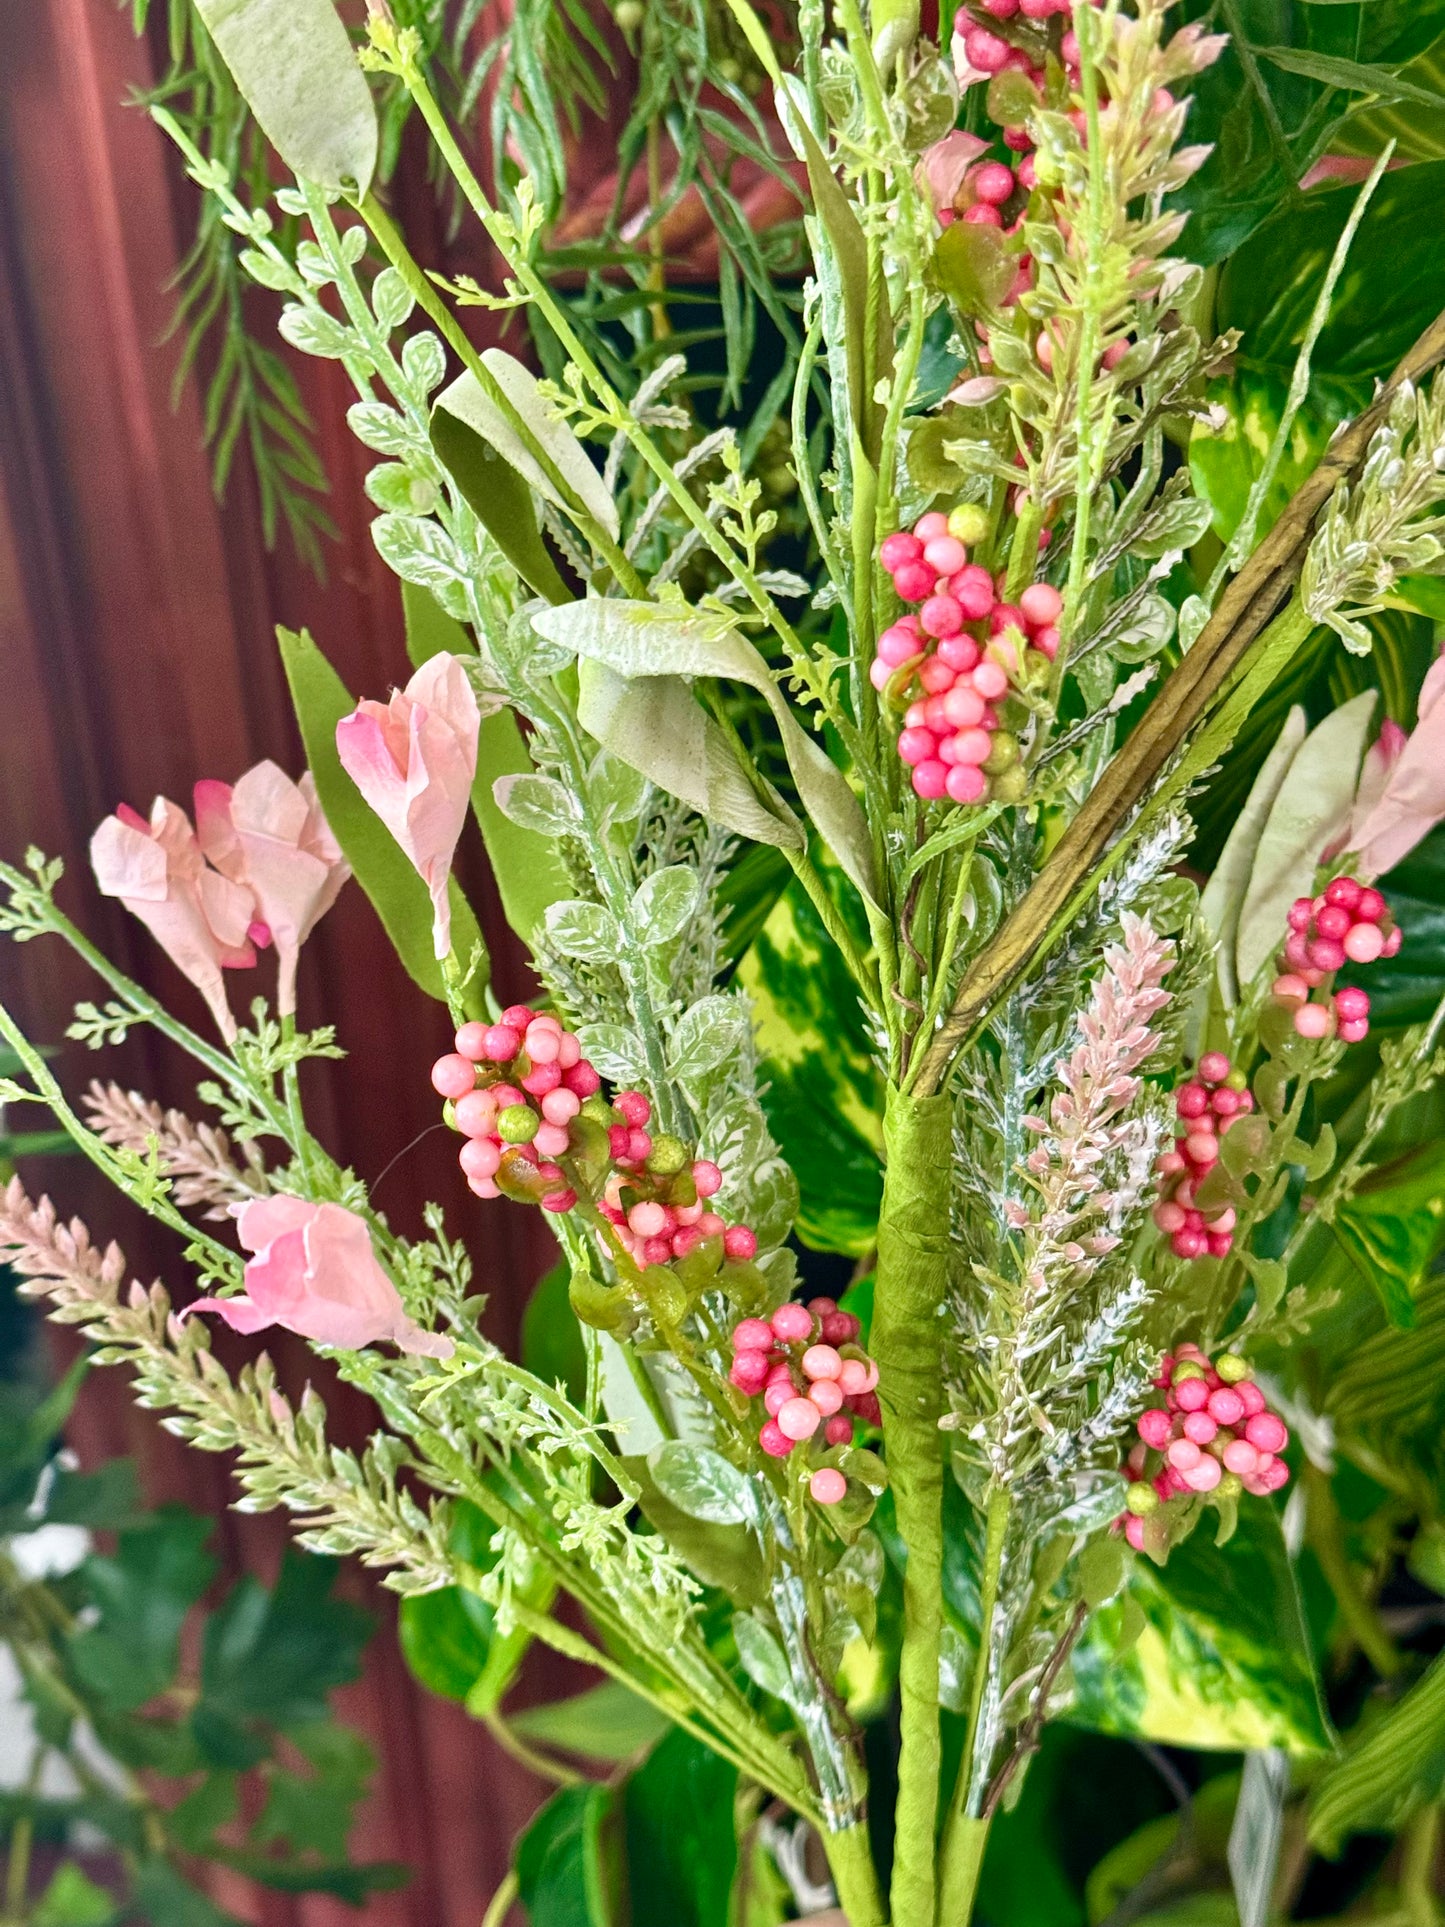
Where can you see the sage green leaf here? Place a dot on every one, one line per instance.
(975, 267)
(397, 893)
(637, 639)
(655, 725)
(495, 491)
(1223, 895)
(568, 1863)
(664, 904)
(1224, 1659)
(700, 1482)
(468, 401)
(1396, 1769)
(727, 1557)
(297, 71)
(762, 1658)
(606, 1723)
(1312, 801)
(584, 931)
(822, 1090)
(530, 874)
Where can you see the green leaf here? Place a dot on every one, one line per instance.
(723, 1556)
(1355, 76)
(655, 724)
(295, 68)
(552, 1344)
(481, 410)
(72, 1900)
(397, 893)
(1311, 801)
(975, 267)
(312, 1813)
(446, 1637)
(567, 1861)
(205, 1809)
(700, 1482)
(530, 875)
(1224, 1659)
(105, 1498)
(822, 1090)
(1223, 895)
(1226, 461)
(1418, 132)
(1397, 1767)
(1393, 1226)
(606, 1723)
(682, 1849)
(275, 1655)
(161, 1898)
(141, 1597)
(496, 493)
(762, 1658)
(642, 639)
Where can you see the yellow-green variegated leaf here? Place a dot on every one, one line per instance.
(822, 1092)
(1224, 1660)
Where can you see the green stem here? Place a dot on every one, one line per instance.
(1089, 319)
(1327, 1540)
(966, 1832)
(850, 1861)
(1417, 1867)
(500, 1904)
(291, 1088)
(912, 1283)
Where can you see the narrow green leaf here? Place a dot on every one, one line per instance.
(1223, 895)
(606, 1723)
(497, 495)
(1397, 1768)
(1355, 76)
(296, 69)
(397, 893)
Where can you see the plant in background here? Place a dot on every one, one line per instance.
(970, 742)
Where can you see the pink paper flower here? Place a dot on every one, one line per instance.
(269, 834)
(413, 759)
(316, 1274)
(198, 917)
(1401, 793)
(942, 167)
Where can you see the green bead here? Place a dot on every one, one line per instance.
(1229, 1487)
(1141, 1500)
(668, 1156)
(1231, 1367)
(1237, 1080)
(517, 1124)
(1187, 1370)
(1003, 754)
(969, 523)
(598, 1109)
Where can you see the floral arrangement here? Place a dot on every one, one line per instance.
(971, 710)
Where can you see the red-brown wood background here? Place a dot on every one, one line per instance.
(136, 624)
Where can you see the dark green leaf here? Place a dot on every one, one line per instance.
(311, 1813)
(274, 1656)
(567, 1861)
(397, 893)
(446, 1636)
(162, 1898)
(141, 1596)
(204, 1811)
(105, 1498)
(551, 1337)
(295, 68)
(497, 495)
(681, 1842)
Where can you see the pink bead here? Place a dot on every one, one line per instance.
(1393, 940)
(1214, 1067)
(471, 1041)
(1351, 1003)
(569, 1051)
(634, 1108)
(917, 746)
(480, 1157)
(963, 707)
(1370, 907)
(560, 1107)
(774, 1441)
(542, 1043)
(1241, 1457)
(821, 1361)
(986, 51)
(707, 1177)
(1267, 1431)
(1000, 9)
(839, 1431)
(740, 1243)
(1169, 1217)
(483, 1188)
(974, 590)
(913, 581)
(936, 676)
(1355, 1030)
(752, 1335)
(1204, 1476)
(959, 652)
(879, 674)
(1191, 1100)
(1326, 954)
(1290, 989)
(776, 1396)
(992, 182)
(501, 1043)
(1364, 942)
(1155, 1428)
(1276, 1476)
(1041, 604)
(658, 1250)
(781, 1374)
(1192, 1394)
(453, 1075)
(928, 526)
(1200, 1427)
(897, 549)
(827, 1395)
(639, 1146)
(799, 1419)
(551, 1140)
(541, 1079)
(1225, 1406)
(896, 646)
(1312, 1020)
(972, 746)
(966, 783)
(1251, 1394)
(646, 1219)
(930, 780)
(1344, 891)
(990, 681)
(1028, 179)
(1047, 641)
(853, 1377)
(1134, 1531)
(1201, 1147)
(946, 554)
(475, 1113)
(749, 1371)
(1183, 1454)
(827, 1485)
(982, 214)
(710, 1225)
(1189, 1244)
(1333, 921)
(792, 1322)
(582, 1080)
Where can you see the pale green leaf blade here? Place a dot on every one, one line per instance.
(1223, 896)
(469, 401)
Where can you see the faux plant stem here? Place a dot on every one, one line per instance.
(967, 1833)
(906, 1340)
(850, 1861)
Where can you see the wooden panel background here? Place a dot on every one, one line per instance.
(136, 636)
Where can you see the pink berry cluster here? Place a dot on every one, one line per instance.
(956, 659)
(989, 187)
(1213, 1434)
(523, 1095)
(1207, 1105)
(523, 1113)
(1346, 922)
(806, 1363)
